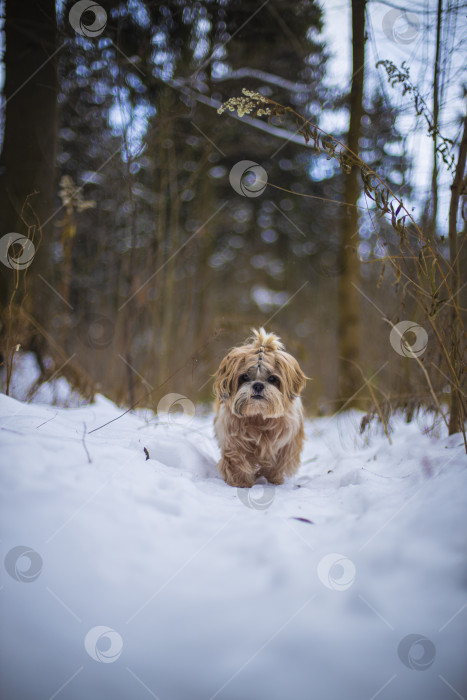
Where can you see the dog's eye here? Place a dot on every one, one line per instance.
(272, 379)
(244, 378)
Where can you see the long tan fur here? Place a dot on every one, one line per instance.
(260, 432)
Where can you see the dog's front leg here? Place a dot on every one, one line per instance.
(236, 471)
(286, 461)
(273, 473)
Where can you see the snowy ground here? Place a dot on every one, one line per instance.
(152, 578)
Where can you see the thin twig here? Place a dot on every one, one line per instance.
(84, 443)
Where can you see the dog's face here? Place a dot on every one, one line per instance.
(259, 378)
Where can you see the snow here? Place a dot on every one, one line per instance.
(24, 384)
(156, 579)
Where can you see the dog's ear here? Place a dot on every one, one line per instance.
(292, 376)
(221, 381)
(225, 376)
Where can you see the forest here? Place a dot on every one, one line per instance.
(131, 262)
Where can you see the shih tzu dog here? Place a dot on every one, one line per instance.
(259, 413)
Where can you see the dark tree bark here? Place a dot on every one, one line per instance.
(349, 377)
(456, 416)
(434, 173)
(27, 161)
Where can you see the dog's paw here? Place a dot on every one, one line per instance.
(239, 481)
(234, 476)
(277, 480)
(274, 477)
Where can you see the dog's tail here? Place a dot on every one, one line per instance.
(268, 341)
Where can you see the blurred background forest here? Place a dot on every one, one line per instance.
(149, 265)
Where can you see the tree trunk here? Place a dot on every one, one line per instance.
(349, 377)
(170, 239)
(455, 414)
(434, 173)
(27, 161)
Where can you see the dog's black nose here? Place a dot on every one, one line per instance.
(258, 387)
